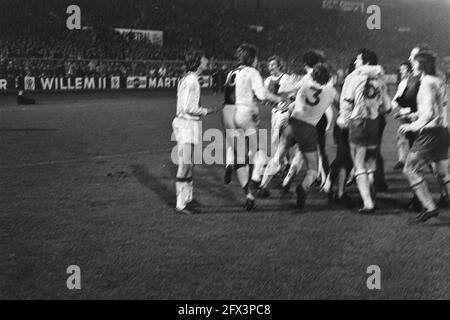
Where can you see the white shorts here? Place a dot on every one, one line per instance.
(228, 115)
(246, 118)
(279, 119)
(187, 131)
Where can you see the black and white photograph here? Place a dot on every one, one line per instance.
(224, 155)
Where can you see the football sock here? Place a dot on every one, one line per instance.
(190, 189)
(258, 170)
(424, 195)
(294, 169)
(242, 174)
(272, 168)
(327, 185)
(311, 176)
(229, 156)
(181, 188)
(362, 180)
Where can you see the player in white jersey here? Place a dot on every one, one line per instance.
(311, 58)
(273, 83)
(314, 97)
(433, 140)
(277, 83)
(187, 128)
(364, 98)
(241, 117)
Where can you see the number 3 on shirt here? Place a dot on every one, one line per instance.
(316, 95)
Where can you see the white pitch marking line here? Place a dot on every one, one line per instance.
(96, 158)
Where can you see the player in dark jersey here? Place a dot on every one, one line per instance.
(228, 113)
(241, 119)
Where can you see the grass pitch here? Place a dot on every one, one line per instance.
(86, 179)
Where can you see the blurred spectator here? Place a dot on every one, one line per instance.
(35, 30)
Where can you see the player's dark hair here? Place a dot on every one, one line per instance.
(423, 47)
(427, 62)
(277, 59)
(246, 54)
(321, 74)
(351, 66)
(193, 59)
(313, 57)
(407, 64)
(368, 57)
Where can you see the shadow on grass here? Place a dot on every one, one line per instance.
(440, 222)
(154, 184)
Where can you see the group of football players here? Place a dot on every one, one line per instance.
(303, 110)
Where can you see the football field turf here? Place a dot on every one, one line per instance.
(87, 180)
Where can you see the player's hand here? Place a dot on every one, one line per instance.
(402, 117)
(394, 105)
(340, 122)
(398, 116)
(404, 128)
(211, 110)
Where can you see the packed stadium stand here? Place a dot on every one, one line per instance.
(47, 48)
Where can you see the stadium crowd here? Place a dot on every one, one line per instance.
(47, 48)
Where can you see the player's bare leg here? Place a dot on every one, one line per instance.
(185, 182)
(362, 178)
(443, 176)
(351, 177)
(321, 175)
(413, 172)
(371, 165)
(228, 114)
(403, 149)
(245, 153)
(294, 169)
(311, 161)
(258, 168)
(327, 186)
(274, 165)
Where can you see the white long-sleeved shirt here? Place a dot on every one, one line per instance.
(249, 83)
(363, 95)
(431, 104)
(188, 98)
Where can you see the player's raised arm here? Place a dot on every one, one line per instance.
(260, 91)
(291, 88)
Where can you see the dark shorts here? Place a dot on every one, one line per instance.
(364, 132)
(432, 144)
(305, 135)
(411, 136)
